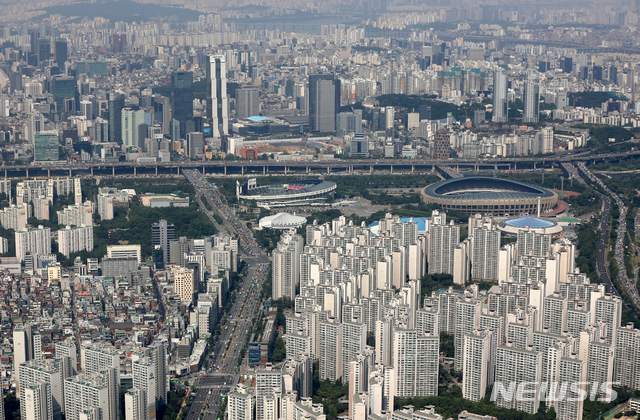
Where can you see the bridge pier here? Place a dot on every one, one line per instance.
(70, 175)
(458, 168)
(495, 167)
(135, 171)
(156, 170)
(534, 166)
(328, 170)
(204, 170)
(27, 172)
(242, 170)
(515, 166)
(264, 170)
(370, 169)
(225, 169)
(5, 174)
(413, 168)
(285, 169)
(113, 171)
(308, 170)
(48, 173)
(178, 171)
(391, 170)
(92, 170)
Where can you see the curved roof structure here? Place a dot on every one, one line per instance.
(513, 226)
(529, 221)
(282, 221)
(495, 196)
(289, 193)
(485, 188)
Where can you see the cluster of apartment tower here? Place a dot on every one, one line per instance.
(52, 388)
(543, 323)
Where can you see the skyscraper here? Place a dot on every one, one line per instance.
(96, 359)
(442, 145)
(217, 99)
(134, 402)
(500, 105)
(195, 144)
(531, 99)
(468, 312)
(61, 52)
(161, 234)
(63, 87)
(247, 102)
(516, 366)
(324, 102)
(46, 146)
(240, 404)
(182, 96)
(330, 348)
(130, 121)
(116, 104)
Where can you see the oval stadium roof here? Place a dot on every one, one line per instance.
(484, 188)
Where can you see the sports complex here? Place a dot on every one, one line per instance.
(291, 193)
(490, 195)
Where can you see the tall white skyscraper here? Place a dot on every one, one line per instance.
(609, 310)
(416, 362)
(98, 358)
(572, 371)
(130, 121)
(286, 266)
(516, 366)
(476, 365)
(330, 348)
(144, 371)
(266, 380)
(35, 241)
(217, 99)
(22, 346)
(531, 98)
(240, 404)
(443, 240)
(135, 404)
(485, 250)
(354, 339)
(84, 391)
(49, 371)
(37, 402)
(500, 104)
(468, 312)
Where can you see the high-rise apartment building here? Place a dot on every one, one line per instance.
(517, 366)
(130, 120)
(477, 364)
(416, 362)
(468, 310)
(98, 358)
(161, 234)
(286, 266)
(266, 380)
(626, 369)
(354, 339)
(609, 310)
(135, 404)
(35, 241)
(240, 404)
(485, 249)
(91, 391)
(443, 240)
(217, 99)
(75, 239)
(37, 402)
(330, 336)
(49, 371)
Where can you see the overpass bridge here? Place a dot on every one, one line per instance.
(329, 166)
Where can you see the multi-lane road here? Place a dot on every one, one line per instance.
(223, 370)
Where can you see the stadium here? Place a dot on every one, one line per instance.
(292, 193)
(490, 195)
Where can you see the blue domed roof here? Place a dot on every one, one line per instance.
(532, 222)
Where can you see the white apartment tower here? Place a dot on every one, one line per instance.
(416, 363)
(443, 240)
(49, 371)
(477, 364)
(485, 251)
(286, 266)
(135, 404)
(240, 404)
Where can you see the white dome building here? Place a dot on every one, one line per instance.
(282, 221)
